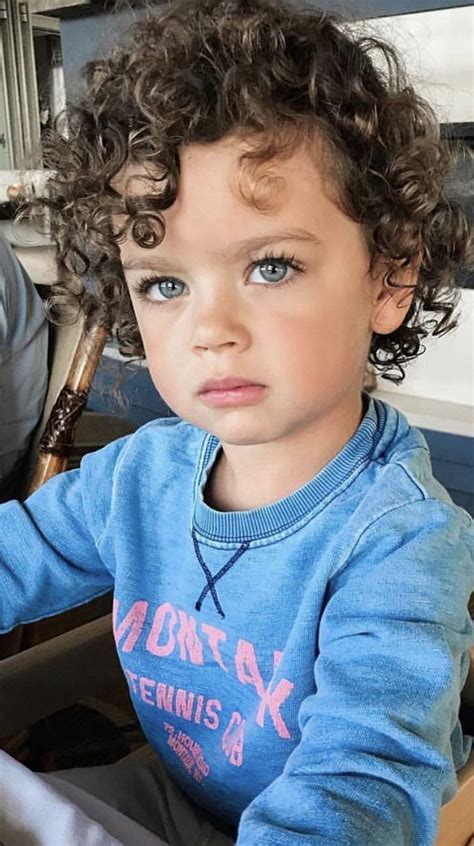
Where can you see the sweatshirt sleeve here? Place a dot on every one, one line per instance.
(50, 545)
(375, 758)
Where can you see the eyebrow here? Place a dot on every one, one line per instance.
(236, 251)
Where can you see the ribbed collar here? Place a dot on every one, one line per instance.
(271, 522)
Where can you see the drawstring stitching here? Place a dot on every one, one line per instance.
(211, 580)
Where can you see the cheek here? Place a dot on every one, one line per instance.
(158, 355)
(304, 332)
(325, 339)
(166, 382)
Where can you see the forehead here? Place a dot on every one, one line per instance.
(221, 192)
(230, 168)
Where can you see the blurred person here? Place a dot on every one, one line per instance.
(23, 367)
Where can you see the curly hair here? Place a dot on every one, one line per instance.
(195, 72)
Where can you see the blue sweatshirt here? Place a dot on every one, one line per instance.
(297, 666)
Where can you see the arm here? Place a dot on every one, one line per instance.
(375, 760)
(49, 545)
(23, 365)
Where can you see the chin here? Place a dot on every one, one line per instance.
(243, 434)
(237, 426)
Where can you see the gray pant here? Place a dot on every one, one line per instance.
(139, 788)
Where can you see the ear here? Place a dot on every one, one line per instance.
(391, 302)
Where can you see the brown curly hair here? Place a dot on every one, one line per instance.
(195, 72)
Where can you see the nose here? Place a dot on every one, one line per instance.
(219, 324)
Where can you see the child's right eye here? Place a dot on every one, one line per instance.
(158, 289)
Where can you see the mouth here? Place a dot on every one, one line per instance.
(229, 383)
(230, 392)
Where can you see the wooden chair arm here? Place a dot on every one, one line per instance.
(57, 673)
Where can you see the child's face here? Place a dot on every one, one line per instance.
(219, 313)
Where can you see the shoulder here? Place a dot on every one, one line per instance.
(11, 271)
(138, 467)
(8, 283)
(399, 473)
(168, 437)
(21, 309)
(409, 550)
(399, 510)
(158, 446)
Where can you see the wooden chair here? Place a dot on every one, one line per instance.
(75, 352)
(84, 663)
(76, 355)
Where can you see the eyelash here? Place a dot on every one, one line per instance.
(147, 282)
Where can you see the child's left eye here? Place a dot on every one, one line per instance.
(278, 270)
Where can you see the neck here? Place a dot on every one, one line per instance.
(255, 475)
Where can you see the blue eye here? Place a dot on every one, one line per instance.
(160, 288)
(273, 271)
(277, 270)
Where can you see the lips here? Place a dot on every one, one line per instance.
(227, 384)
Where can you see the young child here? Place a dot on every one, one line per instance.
(261, 198)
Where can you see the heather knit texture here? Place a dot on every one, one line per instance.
(298, 666)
